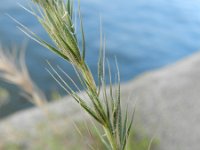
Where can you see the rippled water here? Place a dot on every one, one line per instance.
(143, 34)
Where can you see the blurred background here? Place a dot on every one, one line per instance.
(142, 34)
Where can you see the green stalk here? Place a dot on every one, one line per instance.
(110, 138)
(87, 75)
(108, 132)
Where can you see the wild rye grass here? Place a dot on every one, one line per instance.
(58, 19)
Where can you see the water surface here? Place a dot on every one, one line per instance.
(143, 34)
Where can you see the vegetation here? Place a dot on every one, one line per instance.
(114, 124)
(70, 138)
(56, 17)
(14, 71)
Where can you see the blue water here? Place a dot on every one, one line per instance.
(143, 34)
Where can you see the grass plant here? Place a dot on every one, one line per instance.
(14, 71)
(58, 19)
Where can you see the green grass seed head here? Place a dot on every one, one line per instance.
(56, 17)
